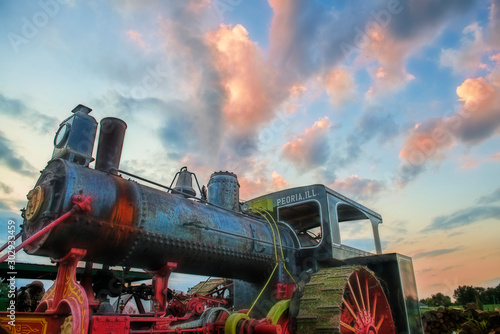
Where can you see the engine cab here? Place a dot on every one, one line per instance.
(321, 219)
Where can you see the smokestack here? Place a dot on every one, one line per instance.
(224, 190)
(109, 149)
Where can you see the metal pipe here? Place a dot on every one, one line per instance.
(41, 232)
(11, 241)
(109, 149)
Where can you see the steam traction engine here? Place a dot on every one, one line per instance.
(290, 271)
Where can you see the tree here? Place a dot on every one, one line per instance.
(465, 294)
(437, 300)
(490, 295)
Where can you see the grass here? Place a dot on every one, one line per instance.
(490, 307)
(486, 307)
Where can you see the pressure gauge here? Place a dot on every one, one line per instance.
(62, 135)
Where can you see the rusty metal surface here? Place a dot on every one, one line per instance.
(110, 146)
(223, 190)
(134, 225)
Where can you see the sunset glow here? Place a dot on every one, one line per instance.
(395, 104)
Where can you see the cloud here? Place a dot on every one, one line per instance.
(227, 91)
(12, 160)
(475, 43)
(250, 188)
(390, 39)
(494, 25)
(5, 188)
(4, 206)
(259, 184)
(427, 139)
(481, 110)
(253, 90)
(495, 157)
(493, 38)
(339, 86)
(311, 148)
(189, 99)
(477, 120)
(463, 218)
(358, 188)
(493, 282)
(372, 124)
(12, 205)
(469, 164)
(389, 55)
(418, 17)
(496, 58)
(436, 252)
(490, 198)
(15, 108)
(399, 227)
(278, 182)
(408, 172)
(306, 38)
(468, 56)
(137, 38)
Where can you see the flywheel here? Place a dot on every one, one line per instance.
(344, 300)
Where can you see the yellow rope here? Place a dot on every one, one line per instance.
(262, 212)
(264, 288)
(274, 241)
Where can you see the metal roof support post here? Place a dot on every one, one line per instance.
(376, 236)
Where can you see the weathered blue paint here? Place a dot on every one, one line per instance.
(134, 225)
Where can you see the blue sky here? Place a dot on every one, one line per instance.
(392, 103)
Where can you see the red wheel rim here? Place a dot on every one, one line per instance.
(365, 309)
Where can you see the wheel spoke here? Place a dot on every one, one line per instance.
(360, 292)
(362, 305)
(349, 308)
(353, 294)
(347, 326)
(367, 289)
(374, 306)
(380, 322)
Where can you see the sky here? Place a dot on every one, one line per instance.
(394, 104)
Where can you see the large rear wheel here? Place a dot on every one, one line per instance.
(344, 300)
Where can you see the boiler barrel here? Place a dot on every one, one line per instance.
(138, 226)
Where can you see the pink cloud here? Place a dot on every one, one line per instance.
(426, 141)
(476, 93)
(468, 56)
(136, 37)
(389, 55)
(256, 185)
(495, 157)
(493, 37)
(469, 165)
(476, 43)
(251, 188)
(198, 5)
(281, 33)
(496, 58)
(251, 83)
(356, 187)
(477, 121)
(479, 117)
(339, 85)
(278, 181)
(309, 149)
